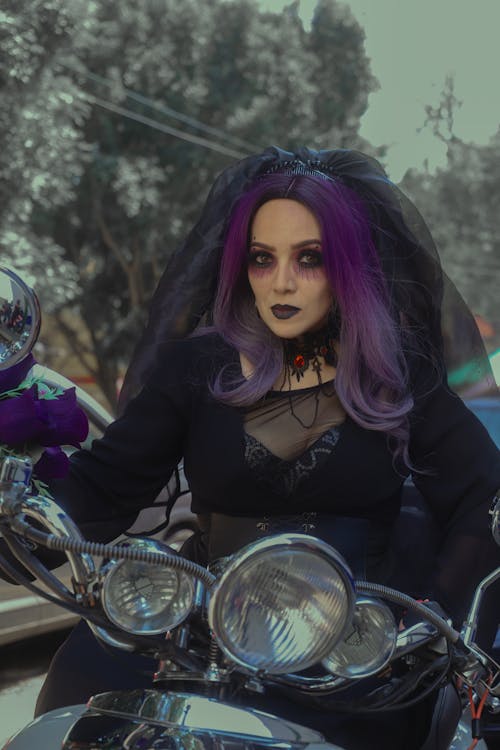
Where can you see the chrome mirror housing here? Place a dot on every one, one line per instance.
(20, 319)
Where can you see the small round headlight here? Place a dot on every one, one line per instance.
(146, 599)
(282, 604)
(368, 644)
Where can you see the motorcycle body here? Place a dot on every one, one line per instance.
(283, 614)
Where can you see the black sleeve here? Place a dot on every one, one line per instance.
(108, 485)
(124, 471)
(457, 470)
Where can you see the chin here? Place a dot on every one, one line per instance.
(285, 329)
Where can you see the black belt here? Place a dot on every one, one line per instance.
(363, 543)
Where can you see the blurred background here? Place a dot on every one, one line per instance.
(116, 117)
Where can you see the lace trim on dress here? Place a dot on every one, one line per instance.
(285, 476)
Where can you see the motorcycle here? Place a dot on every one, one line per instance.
(281, 614)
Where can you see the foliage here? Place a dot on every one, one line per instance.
(460, 204)
(99, 185)
(42, 154)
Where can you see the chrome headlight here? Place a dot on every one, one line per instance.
(368, 644)
(282, 604)
(146, 599)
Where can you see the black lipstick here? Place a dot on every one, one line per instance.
(282, 312)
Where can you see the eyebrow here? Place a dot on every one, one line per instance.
(297, 246)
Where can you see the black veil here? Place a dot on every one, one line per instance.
(441, 323)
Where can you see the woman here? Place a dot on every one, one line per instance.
(318, 386)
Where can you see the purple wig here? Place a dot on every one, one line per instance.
(372, 376)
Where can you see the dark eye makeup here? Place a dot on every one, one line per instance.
(259, 258)
(310, 258)
(306, 258)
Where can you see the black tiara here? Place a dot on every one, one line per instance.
(296, 167)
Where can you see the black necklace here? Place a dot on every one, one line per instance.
(300, 355)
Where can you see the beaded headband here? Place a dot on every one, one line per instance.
(295, 167)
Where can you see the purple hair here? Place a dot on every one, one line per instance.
(372, 375)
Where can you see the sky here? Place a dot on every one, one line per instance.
(413, 45)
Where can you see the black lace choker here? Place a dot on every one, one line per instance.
(300, 355)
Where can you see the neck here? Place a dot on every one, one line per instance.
(312, 353)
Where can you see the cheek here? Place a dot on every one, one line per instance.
(259, 282)
(258, 272)
(310, 274)
(324, 294)
(255, 288)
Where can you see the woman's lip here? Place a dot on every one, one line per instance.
(282, 312)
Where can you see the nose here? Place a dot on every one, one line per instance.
(284, 278)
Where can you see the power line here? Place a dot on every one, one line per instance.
(169, 111)
(175, 114)
(131, 115)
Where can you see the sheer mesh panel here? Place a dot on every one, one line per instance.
(288, 423)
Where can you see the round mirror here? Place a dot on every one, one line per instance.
(19, 319)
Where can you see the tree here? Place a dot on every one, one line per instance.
(42, 154)
(126, 87)
(460, 204)
(341, 72)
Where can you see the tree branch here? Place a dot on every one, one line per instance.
(74, 344)
(111, 244)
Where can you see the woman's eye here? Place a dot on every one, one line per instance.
(310, 258)
(260, 259)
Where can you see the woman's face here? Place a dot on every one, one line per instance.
(285, 269)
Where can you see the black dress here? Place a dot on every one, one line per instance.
(238, 464)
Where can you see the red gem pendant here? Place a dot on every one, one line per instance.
(299, 362)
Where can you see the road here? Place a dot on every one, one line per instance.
(23, 668)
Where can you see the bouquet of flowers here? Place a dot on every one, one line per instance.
(36, 419)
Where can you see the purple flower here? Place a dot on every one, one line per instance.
(18, 419)
(52, 464)
(12, 376)
(64, 423)
(49, 422)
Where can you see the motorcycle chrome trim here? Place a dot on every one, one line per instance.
(320, 685)
(407, 640)
(426, 613)
(68, 544)
(413, 637)
(190, 711)
(117, 733)
(181, 636)
(376, 641)
(47, 731)
(261, 551)
(141, 621)
(223, 677)
(110, 640)
(469, 629)
(15, 478)
(51, 516)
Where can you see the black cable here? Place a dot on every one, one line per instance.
(421, 696)
(131, 115)
(35, 567)
(164, 109)
(145, 644)
(384, 707)
(169, 111)
(77, 609)
(120, 552)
